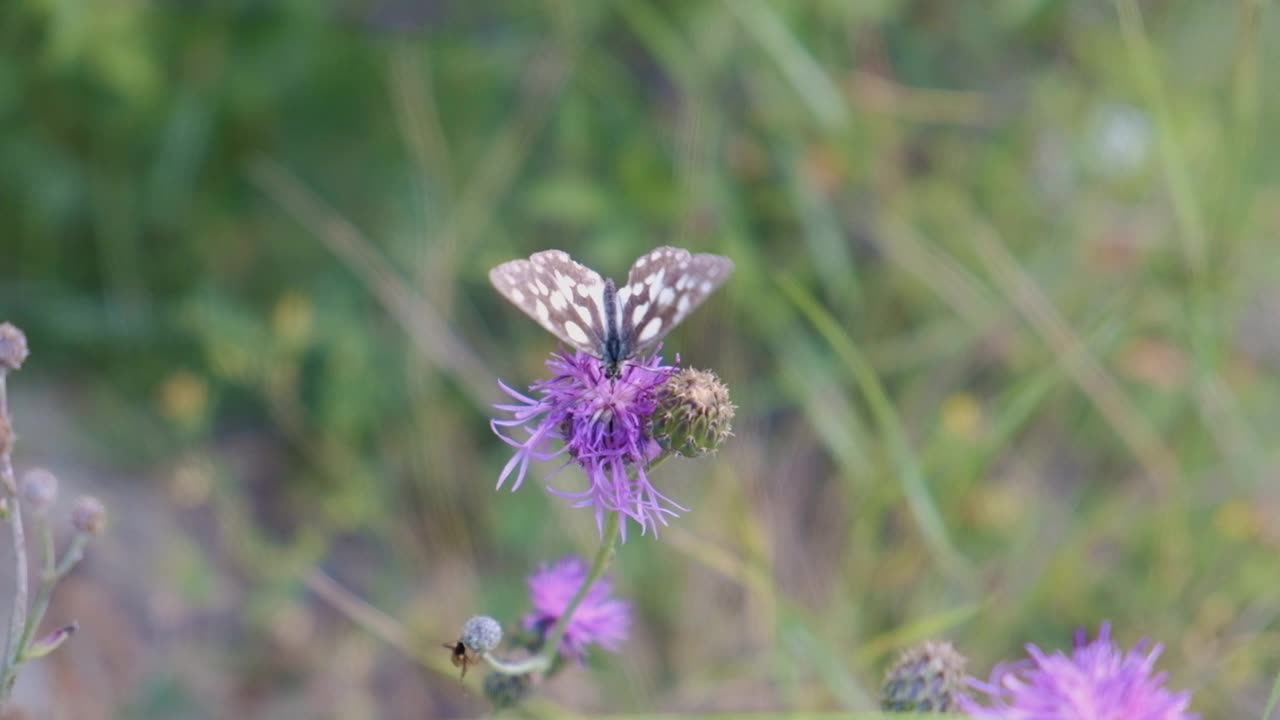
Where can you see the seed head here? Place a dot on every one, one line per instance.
(926, 678)
(88, 515)
(39, 489)
(13, 347)
(694, 415)
(481, 634)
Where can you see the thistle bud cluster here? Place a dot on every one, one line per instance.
(926, 678)
(694, 415)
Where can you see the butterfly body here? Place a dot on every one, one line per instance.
(599, 317)
(615, 344)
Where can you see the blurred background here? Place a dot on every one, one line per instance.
(1003, 337)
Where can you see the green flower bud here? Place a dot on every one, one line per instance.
(47, 644)
(694, 415)
(506, 691)
(926, 678)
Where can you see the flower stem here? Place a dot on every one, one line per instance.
(543, 660)
(54, 571)
(18, 621)
(551, 647)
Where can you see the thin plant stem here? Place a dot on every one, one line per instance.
(48, 578)
(18, 620)
(54, 571)
(366, 616)
(608, 548)
(542, 661)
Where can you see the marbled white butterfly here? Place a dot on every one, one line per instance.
(594, 315)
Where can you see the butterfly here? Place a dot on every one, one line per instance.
(592, 314)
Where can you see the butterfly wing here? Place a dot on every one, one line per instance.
(564, 296)
(662, 288)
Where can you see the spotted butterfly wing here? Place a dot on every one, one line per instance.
(663, 287)
(593, 315)
(564, 296)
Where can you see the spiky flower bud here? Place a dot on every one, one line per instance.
(506, 691)
(13, 347)
(694, 415)
(39, 489)
(481, 634)
(88, 516)
(926, 678)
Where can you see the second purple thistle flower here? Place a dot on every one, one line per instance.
(604, 425)
(601, 619)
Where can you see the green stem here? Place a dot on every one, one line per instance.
(18, 620)
(542, 661)
(48, 576)
(551, 647)
(53, 572)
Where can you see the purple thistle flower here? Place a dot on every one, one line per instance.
(600, 619)
(604, 424)
(1097, 682)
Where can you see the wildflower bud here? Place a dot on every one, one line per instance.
(13, 347)
(39, 489)
(926, 678)
(694, 415)
(88, 516)
(481, 634)
(47, 644)
(506, 691)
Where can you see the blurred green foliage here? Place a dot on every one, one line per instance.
(1004, 332)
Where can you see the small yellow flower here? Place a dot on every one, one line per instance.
(291, 318)
(184, 396)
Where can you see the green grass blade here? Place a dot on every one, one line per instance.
(886, 418)
(1272, 701)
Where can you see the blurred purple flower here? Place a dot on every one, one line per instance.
(604, 424)
(1097, 682)
(599, 620)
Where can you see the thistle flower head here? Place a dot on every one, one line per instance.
(694, 415)
(925, 678)
(604, 425)
(600, 619)
(1098, 681)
